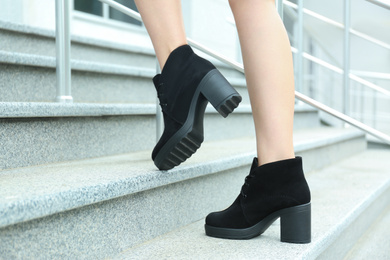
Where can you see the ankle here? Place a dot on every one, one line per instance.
(166, 51)
(270, 157)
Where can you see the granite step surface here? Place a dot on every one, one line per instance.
(33, 133)
(99, 207)
(375, 243)
(347, 197)
(32, 78)
(37, 41)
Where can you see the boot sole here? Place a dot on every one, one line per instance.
(295, 226)
(184, 143)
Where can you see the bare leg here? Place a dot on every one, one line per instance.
(278, 186)
(181, 88)
(269, 74)
(164, 22)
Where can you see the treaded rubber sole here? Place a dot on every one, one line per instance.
(229, 105)
(295, 226)
(186, 141)
(183, 150)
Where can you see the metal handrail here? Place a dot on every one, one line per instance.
(341, 72)
(339, 25)
(374, 75)
(334, 68)
(240, 68)
(380, 3)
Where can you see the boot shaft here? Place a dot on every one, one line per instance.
(178, 80)
(274, 186)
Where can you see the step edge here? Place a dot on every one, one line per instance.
(47, 109)
(54, 109)
(24, 59)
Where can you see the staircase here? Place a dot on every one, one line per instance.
(77, 181)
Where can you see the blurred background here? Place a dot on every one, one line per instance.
(211, 23)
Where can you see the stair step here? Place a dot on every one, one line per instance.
(31, 40)
(58, 132)
(375, 243)
(99, 207)
(54, 132)
(363, 183)
(32, 78)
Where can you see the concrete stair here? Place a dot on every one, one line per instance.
(77, 181)
(346, 198)
(374, 244)
(35, 133)
(96, 208)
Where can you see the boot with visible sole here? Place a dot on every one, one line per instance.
(184, 87)
(271, 191)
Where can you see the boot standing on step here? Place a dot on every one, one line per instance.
(276, 186)
(271, 191)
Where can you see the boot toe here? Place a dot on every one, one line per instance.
(232, 217)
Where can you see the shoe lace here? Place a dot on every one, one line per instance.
(246, 185)
(161, 95)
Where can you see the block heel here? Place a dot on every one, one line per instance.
(218, 91)
(295, 224)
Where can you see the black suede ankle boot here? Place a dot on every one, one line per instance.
(184, 87)
(271, 191)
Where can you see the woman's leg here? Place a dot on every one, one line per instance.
(269, 74)
(276, 186)
(164, 22)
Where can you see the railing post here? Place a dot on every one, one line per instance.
(63, 69)
(299, 63)
(347, 15)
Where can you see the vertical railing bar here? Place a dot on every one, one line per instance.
(106, 11)
(63, 70)
(159, 115)
(374, 112)
(362, 102)
(299, 63)
(346, 81)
